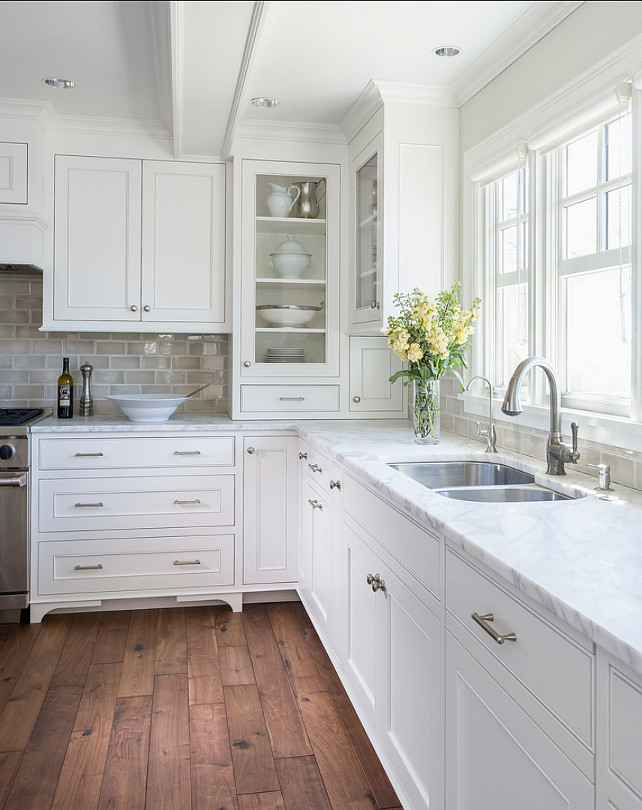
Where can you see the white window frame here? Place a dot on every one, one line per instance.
(576, 105)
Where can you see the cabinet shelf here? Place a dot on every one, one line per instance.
(290, 329)
(368, 220)
(290, 225)
(291, 283)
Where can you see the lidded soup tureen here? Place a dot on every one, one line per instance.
(290, 259)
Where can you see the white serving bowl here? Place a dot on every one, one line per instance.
(148, 407)
(290, 265)
(285, 315)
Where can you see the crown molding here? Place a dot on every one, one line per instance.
(31, 110)
(151, 128)
(285, 131)
(532, 26)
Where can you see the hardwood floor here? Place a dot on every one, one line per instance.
(180, 709)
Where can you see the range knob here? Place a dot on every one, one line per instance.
(7, 451)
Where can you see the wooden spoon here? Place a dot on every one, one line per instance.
(202, 388)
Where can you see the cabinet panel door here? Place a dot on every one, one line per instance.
(270, 509)
(13, 173)
(183, 221)
(496, 756)
(372, 364)
(97, 239)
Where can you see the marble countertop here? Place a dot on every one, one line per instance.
(581, 559)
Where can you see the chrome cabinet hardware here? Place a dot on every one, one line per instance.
(356, 399)
(488, 617)
(247, 364)
(291, 399)
(187, 562)
(251, 450)
(87, 455)
(302, 456)
(147, 308)
(315, 504)
(18, 481)
(98, 567)
(187, 452)
(88, 505)
(134, 308)
(603, 477)
(315, 468)
(335, 484)
(376, 583)
(375, 305)
(187, 503)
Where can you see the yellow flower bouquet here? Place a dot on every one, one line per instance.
(432, 335)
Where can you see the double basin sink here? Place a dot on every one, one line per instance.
(480, 481)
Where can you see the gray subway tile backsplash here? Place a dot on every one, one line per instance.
(124, 362)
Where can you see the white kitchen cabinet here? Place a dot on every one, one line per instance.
(13, 173)
(138, 245)
(403, 203)
(270, 509)
(619, 735)
(372, 363)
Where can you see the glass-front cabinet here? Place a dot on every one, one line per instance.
(366, 282)
(290, 255)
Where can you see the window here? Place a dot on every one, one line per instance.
(568, 293)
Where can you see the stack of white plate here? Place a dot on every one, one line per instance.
(284, 355)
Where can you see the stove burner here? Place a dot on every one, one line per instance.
(18, 416)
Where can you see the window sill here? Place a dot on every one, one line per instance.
(607, 430)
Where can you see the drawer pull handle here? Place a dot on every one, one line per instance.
(88, 505)
(335, 485)
(315, 504)
(87, 455)
(376, 583)
(187, 452)
(291, 399)
(315, 468)
(98, 567)
(187, 562)
(187, 503)
(302, 456)
(488, 617)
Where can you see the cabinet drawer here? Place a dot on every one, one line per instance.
(131, 453)
(415, 548)
(93, 566)
(282, 398)
(75, 504)
(551, 665)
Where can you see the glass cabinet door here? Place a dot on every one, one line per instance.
(367, 280)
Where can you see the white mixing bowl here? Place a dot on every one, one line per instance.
(148, 407)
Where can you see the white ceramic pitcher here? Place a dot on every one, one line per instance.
(279, 201)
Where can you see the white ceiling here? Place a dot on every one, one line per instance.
(195, 65)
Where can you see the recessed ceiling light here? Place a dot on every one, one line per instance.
(446, 50)
(59, 84)
(264, 102)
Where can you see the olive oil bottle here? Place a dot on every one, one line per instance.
(65, 392)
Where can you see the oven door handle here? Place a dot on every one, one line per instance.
(18, 481)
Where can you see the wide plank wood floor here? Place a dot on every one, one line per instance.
(193, 708)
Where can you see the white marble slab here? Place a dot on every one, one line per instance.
(580, 559)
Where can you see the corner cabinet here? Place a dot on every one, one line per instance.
(138, 246)
(288, 332)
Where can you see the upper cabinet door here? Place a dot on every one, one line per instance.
(97, 239)
(13, 173)
(183, 243)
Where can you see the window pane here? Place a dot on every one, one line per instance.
(581, 229)
(618, 148)
(512, 330)
(618, 218)
(508, 263)
(509, 196)
(598, 341)
(581, 164)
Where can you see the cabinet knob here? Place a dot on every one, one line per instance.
(251, 450)
(247, 364)
(376, 583)
(315, 504)
(134, 308)
(356, 399)
(335, 485)
(147, 308)
(302, 456)
(375, 305)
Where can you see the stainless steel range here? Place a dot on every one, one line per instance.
(14, 508)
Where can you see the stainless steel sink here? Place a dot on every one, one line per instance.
(438, 474)
(504, 494)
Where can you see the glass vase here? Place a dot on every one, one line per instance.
(425, 411)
